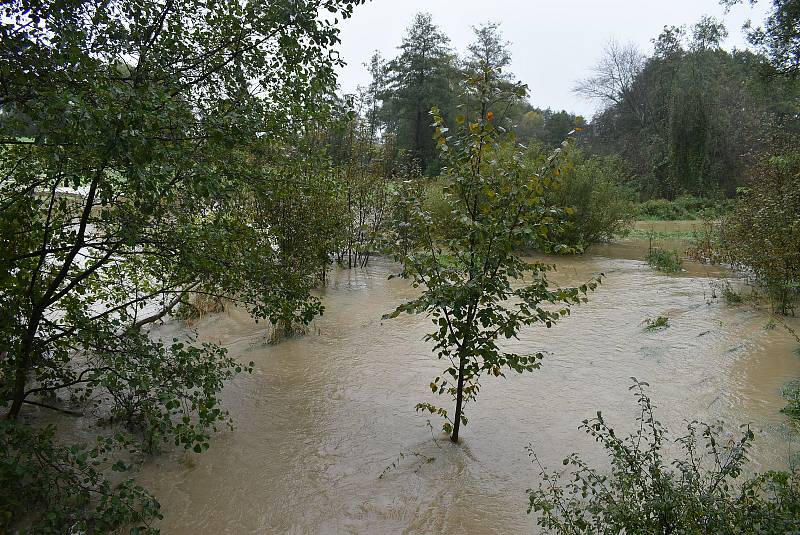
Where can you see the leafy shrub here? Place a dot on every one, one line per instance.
(598, 206)
(705, 244)
(661, 209)
(166, 393)
(436, 204)
(731, 296)
(762, 235)
(698, 492)
(791, 391)
(664, 260)
(57, 489)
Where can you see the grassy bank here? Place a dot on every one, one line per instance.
(685, 207)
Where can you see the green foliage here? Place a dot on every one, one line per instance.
(762, 235)
(791, 391)
(169, 393)
(779, 37)
(684, 207)
(59, 489)
(706, 244)
(658, 324)
(419, 78)
(436, 203)
(703, 490)
(428, 72)
(664, 260)
(731, 296)
(686, 119)
(356, 211)
(144, 163)
(598, 206)
(475, 288)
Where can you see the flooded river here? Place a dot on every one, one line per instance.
(325, 415)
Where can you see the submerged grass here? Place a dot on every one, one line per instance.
(642, 234)
(656, 324)
(666, 260)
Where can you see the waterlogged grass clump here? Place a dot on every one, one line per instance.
(731, 296)
(665, 260)
(658, 324)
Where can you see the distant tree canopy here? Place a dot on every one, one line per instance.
(685, 119)
(779, 37)
(428, 72)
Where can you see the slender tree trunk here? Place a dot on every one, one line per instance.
(21, 372)
(459, 398)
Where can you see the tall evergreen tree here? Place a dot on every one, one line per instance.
(419, 78)
(486, 65)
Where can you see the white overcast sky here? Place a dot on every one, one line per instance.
(553, 42)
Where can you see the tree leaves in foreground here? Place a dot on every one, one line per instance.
(476, 288)
(702, 490)
(69, 484)
(129, 186)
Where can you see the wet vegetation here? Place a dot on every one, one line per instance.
(665, 260)
(683, 208)
(656, 324)
(701, 489)
(762, 234)
(162, 162)
(477, 289)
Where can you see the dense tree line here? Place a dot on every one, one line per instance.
(688, 118)
(684, 120)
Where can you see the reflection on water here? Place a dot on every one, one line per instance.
(323, 416)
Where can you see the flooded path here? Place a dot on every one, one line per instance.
(323, 416)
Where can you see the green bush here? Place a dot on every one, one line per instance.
(701, 491)
(664, 260)
(598, 207)
(705, 246)
(762, 235)
(661, 209)
(56, 489)
(439, 208)
(731, 296)
(791, 391)
(658, 324)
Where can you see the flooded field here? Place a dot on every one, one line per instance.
(324, 417)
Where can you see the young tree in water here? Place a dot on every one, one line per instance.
(477, 290)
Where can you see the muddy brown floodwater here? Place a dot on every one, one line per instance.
(323, 416)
